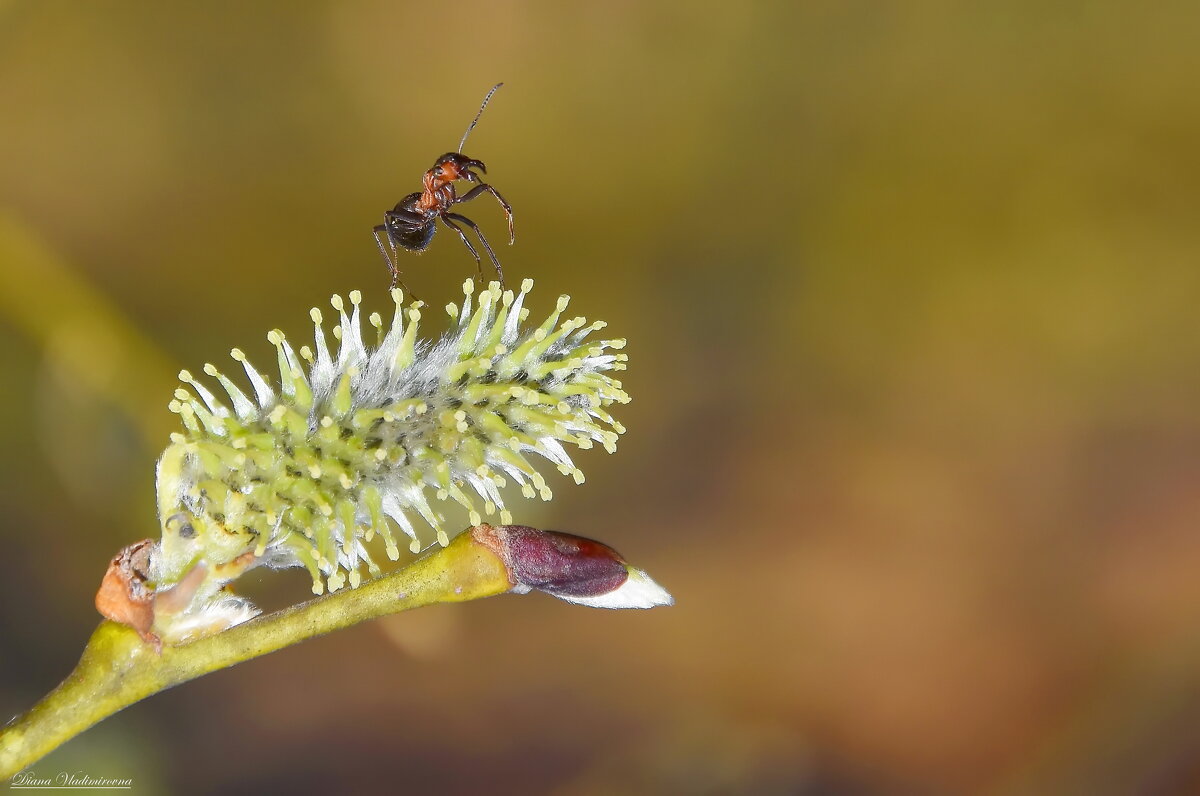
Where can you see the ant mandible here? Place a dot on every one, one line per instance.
(411, 223)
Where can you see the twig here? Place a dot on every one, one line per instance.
(118, 668)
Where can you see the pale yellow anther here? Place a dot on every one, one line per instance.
(338, 303)
(316, 315)
(356, 297)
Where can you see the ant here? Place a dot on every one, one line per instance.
(411, 223)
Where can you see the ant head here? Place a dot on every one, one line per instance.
(455, 166)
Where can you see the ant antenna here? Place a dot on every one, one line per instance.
(474, 121)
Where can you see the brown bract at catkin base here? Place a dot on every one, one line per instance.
(124, 595)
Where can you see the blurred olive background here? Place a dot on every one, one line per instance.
(910, 292)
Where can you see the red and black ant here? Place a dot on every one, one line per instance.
(411, 223)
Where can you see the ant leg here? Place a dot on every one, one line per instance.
(467, 243)
(485, 188)
(405, 218)
(483, 240)
(392, 259)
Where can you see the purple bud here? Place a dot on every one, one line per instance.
(562, 564)
(571, 567)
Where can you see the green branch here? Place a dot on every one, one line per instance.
(118, 668)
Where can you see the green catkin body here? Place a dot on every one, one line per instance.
(369, 440)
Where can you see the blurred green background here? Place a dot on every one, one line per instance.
(910, 293)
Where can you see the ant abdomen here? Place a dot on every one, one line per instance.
(407, 227)
(417, 240)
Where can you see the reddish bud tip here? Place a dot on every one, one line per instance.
(571, 567)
